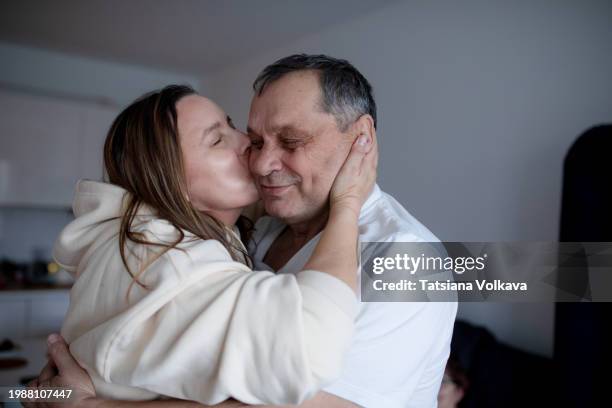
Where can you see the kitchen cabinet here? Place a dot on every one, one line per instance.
(46, 145)
(95, 123)
(38, 148)
(33, 313)
(13, 317)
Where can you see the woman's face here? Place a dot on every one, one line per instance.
(215, 156)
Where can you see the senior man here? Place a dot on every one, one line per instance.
(306, 112)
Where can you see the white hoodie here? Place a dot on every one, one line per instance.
(207, 328)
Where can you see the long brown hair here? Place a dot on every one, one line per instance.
(142, 154)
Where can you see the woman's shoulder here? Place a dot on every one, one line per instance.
(162, 233)
(184, 249)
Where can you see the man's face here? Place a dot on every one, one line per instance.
(297, 149)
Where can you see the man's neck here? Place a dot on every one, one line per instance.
(301, 232)
(292, 239)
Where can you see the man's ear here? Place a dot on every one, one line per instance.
(364, 126)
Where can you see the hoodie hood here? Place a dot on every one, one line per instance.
(94, 203)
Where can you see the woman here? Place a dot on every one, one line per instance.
(165, 302)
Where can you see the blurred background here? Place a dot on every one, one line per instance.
(479, 102)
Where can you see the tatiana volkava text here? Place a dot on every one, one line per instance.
(448, 285)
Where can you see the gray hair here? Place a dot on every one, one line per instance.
(346, 93)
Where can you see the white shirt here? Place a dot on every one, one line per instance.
(399, 350)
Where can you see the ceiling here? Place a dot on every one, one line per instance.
(188, 36)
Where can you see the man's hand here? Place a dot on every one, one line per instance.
(63, 371)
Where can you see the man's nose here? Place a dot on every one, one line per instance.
(265, 160)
